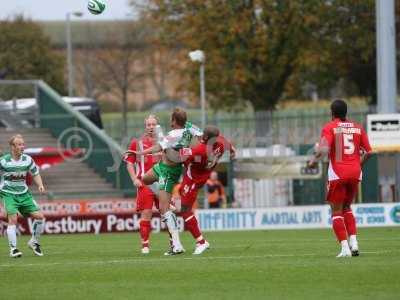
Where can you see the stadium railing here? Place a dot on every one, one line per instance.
(105, 156)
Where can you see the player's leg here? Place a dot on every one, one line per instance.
(144, 205)
(145, 229)
(335, 196)
(11, 207)
(29, 207)
(12, 235)
(168, 176)
(349, 219)
(188, 192)
(193, 227)
(150, 177)
(37, 230)
(170, 220)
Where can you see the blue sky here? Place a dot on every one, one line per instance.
(57, 9)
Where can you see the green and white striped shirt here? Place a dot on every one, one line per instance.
(13, 177)
(179, 138)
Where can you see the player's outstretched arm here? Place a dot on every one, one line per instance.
(152, 150)
(131, 171)
(37, 179)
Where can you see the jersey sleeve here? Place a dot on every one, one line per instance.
(196, 131)
(33, 168)
(132, 158)
(327, 137)
(222, 144)
(168, 141)
(365, 141)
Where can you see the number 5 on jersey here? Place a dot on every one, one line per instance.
(348, 143)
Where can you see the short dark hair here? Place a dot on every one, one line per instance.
(210, 131)
(339, 109)
(179, 116)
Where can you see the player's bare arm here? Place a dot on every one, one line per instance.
(132, 174)
(152, 150)
(150, 177)
(320, 150)
(37, 179)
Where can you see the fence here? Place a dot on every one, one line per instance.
(298, 129)
(259, 129)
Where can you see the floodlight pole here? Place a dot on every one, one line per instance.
(386, 56)
(202, 96)
(199, 57)
(69, 51)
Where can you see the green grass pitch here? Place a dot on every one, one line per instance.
(241, 265)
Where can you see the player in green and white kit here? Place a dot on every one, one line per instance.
(168, 171)
(16, 196)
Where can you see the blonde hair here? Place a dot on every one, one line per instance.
(151, 116)
(13, 138)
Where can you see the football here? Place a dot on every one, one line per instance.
(96, 7)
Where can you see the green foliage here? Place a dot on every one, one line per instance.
(260, 51)
(26, 53)
(344, 47)
(252, 47)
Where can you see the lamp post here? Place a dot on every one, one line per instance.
(69, 51)
(198, 56)
(386, 56)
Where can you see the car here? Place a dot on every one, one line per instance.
(26, 110)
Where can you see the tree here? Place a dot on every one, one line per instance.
(346, 39)
(119, 71)
(26, 53)
(252, 47)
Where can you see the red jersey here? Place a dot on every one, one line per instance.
(143, 163)
(198, 158)
(345, 140)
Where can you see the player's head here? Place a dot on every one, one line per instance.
(214, 175)
(178, 118)
(339, 109)
(150, 124)
(210, 132)
(17, 144)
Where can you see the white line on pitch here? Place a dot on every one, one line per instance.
(168, 259)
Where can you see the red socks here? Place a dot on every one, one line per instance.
(350, 222)
(145, 229)
(193, 227)
(339, 227)
(190, 223)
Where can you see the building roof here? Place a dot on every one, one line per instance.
(84, 33)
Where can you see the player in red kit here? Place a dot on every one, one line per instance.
(137, 166)
(347, 146)
(199, 162)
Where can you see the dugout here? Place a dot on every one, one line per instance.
(265, 177)
(284, 179)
